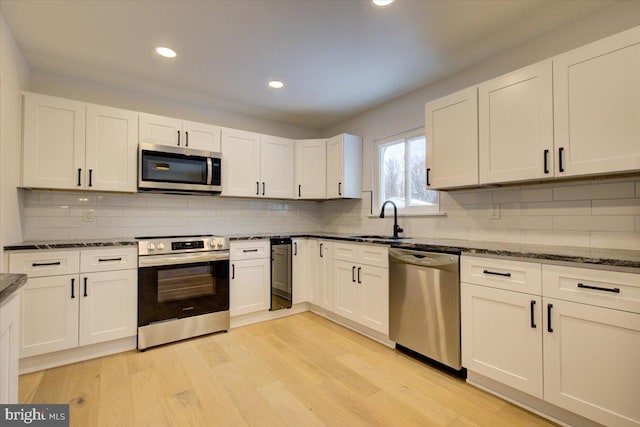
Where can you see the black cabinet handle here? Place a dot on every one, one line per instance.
(546, 161)
(549, 307)
(359, 268)
(43, 264)
(109, 259)
(295, 248)
(560, 152)
(186, 135)
(495, 273)
(85, 286)
(178, 138)
(90, 177)
(73, 286)
(321, 250)
(263, 188)
(598, 288)
(249, 250)
(428, 180)
(339, 189)
(533, 317)
(299, 190)
(233, 271)
(353, 274)
(79, 176)
(257, 188)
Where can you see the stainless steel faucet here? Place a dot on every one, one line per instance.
(396, 227)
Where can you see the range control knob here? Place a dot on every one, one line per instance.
(160, 246)
(213, 243)
(151, 247)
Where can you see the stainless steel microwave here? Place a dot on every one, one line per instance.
(178, 170)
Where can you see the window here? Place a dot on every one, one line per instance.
(401, 174)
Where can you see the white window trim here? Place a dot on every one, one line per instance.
(406, 211)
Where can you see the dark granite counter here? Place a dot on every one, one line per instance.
(9, 283)
(70, 244)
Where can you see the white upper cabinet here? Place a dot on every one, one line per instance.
(53, 142)
(255, 165)
(276, 167)
(311, 169)
(240, 163)
(178, 133)
(344, 167)
(451, 126)
(111, 149)
(77, 146)
(516, 125)
(597, 107)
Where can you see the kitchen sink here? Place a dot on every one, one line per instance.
(376, 236)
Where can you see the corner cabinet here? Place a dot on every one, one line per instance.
(344, 167)
(299, 276)
(179, 133)
(311, 169)
(451, 126)
(596, 106)
(255, 165)
(73, 145)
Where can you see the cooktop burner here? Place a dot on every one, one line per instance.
(173, 237)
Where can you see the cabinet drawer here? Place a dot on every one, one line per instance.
(502, 274)
(120, 258)
(251, 249)
(45, 263)
(611, 289)
(345, 252)
(375, 255)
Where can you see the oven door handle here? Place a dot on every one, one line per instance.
(157, 260)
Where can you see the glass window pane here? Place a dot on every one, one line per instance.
(418, 193)
(392, 173)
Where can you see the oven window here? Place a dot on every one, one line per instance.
(181, 283)
(177, 168)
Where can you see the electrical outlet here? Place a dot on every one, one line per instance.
(494, 212)
(88, 215)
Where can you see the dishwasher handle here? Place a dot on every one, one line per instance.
(424, 259)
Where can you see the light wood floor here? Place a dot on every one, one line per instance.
(301, 370)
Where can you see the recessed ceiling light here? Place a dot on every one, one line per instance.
(166, 52)
(382, 2)
(276, 84)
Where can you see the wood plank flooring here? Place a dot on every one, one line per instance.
(301, 370)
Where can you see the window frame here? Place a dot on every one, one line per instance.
(403, 137)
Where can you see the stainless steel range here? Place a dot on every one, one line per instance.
(183, 288)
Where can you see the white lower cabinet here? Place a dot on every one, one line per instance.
(299, 277)
(324, 290)
(249, 287)
(579, 352)
(9, 348)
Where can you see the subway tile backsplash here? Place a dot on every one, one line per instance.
(599, 213)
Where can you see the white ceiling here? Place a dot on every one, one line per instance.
(336, 57)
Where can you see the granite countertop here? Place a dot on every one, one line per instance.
(10, 283)
(617, 258)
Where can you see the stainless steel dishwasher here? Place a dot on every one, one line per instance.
(424, 304)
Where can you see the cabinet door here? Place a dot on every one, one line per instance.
(201, 136)
(596, 107)
(347, 292)
(451, 125)
(108, 306)
(311, 169)
(591, 361)
(249, 286)
(299, 276)
(325, 279)
(240, 163)
(516, 125)
(502, 336)
(313, 271)
(49, 319)
(160, 130)
(335, 166)
(53, 142)
(276, 167)
(9, 348)
(374, 303)
(111, 149)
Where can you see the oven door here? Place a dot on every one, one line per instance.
(179, 286)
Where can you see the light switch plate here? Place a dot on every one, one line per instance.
(494, 211)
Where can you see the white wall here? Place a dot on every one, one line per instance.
(14, 76)
(523, 220)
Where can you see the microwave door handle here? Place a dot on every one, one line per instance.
(209, 171)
